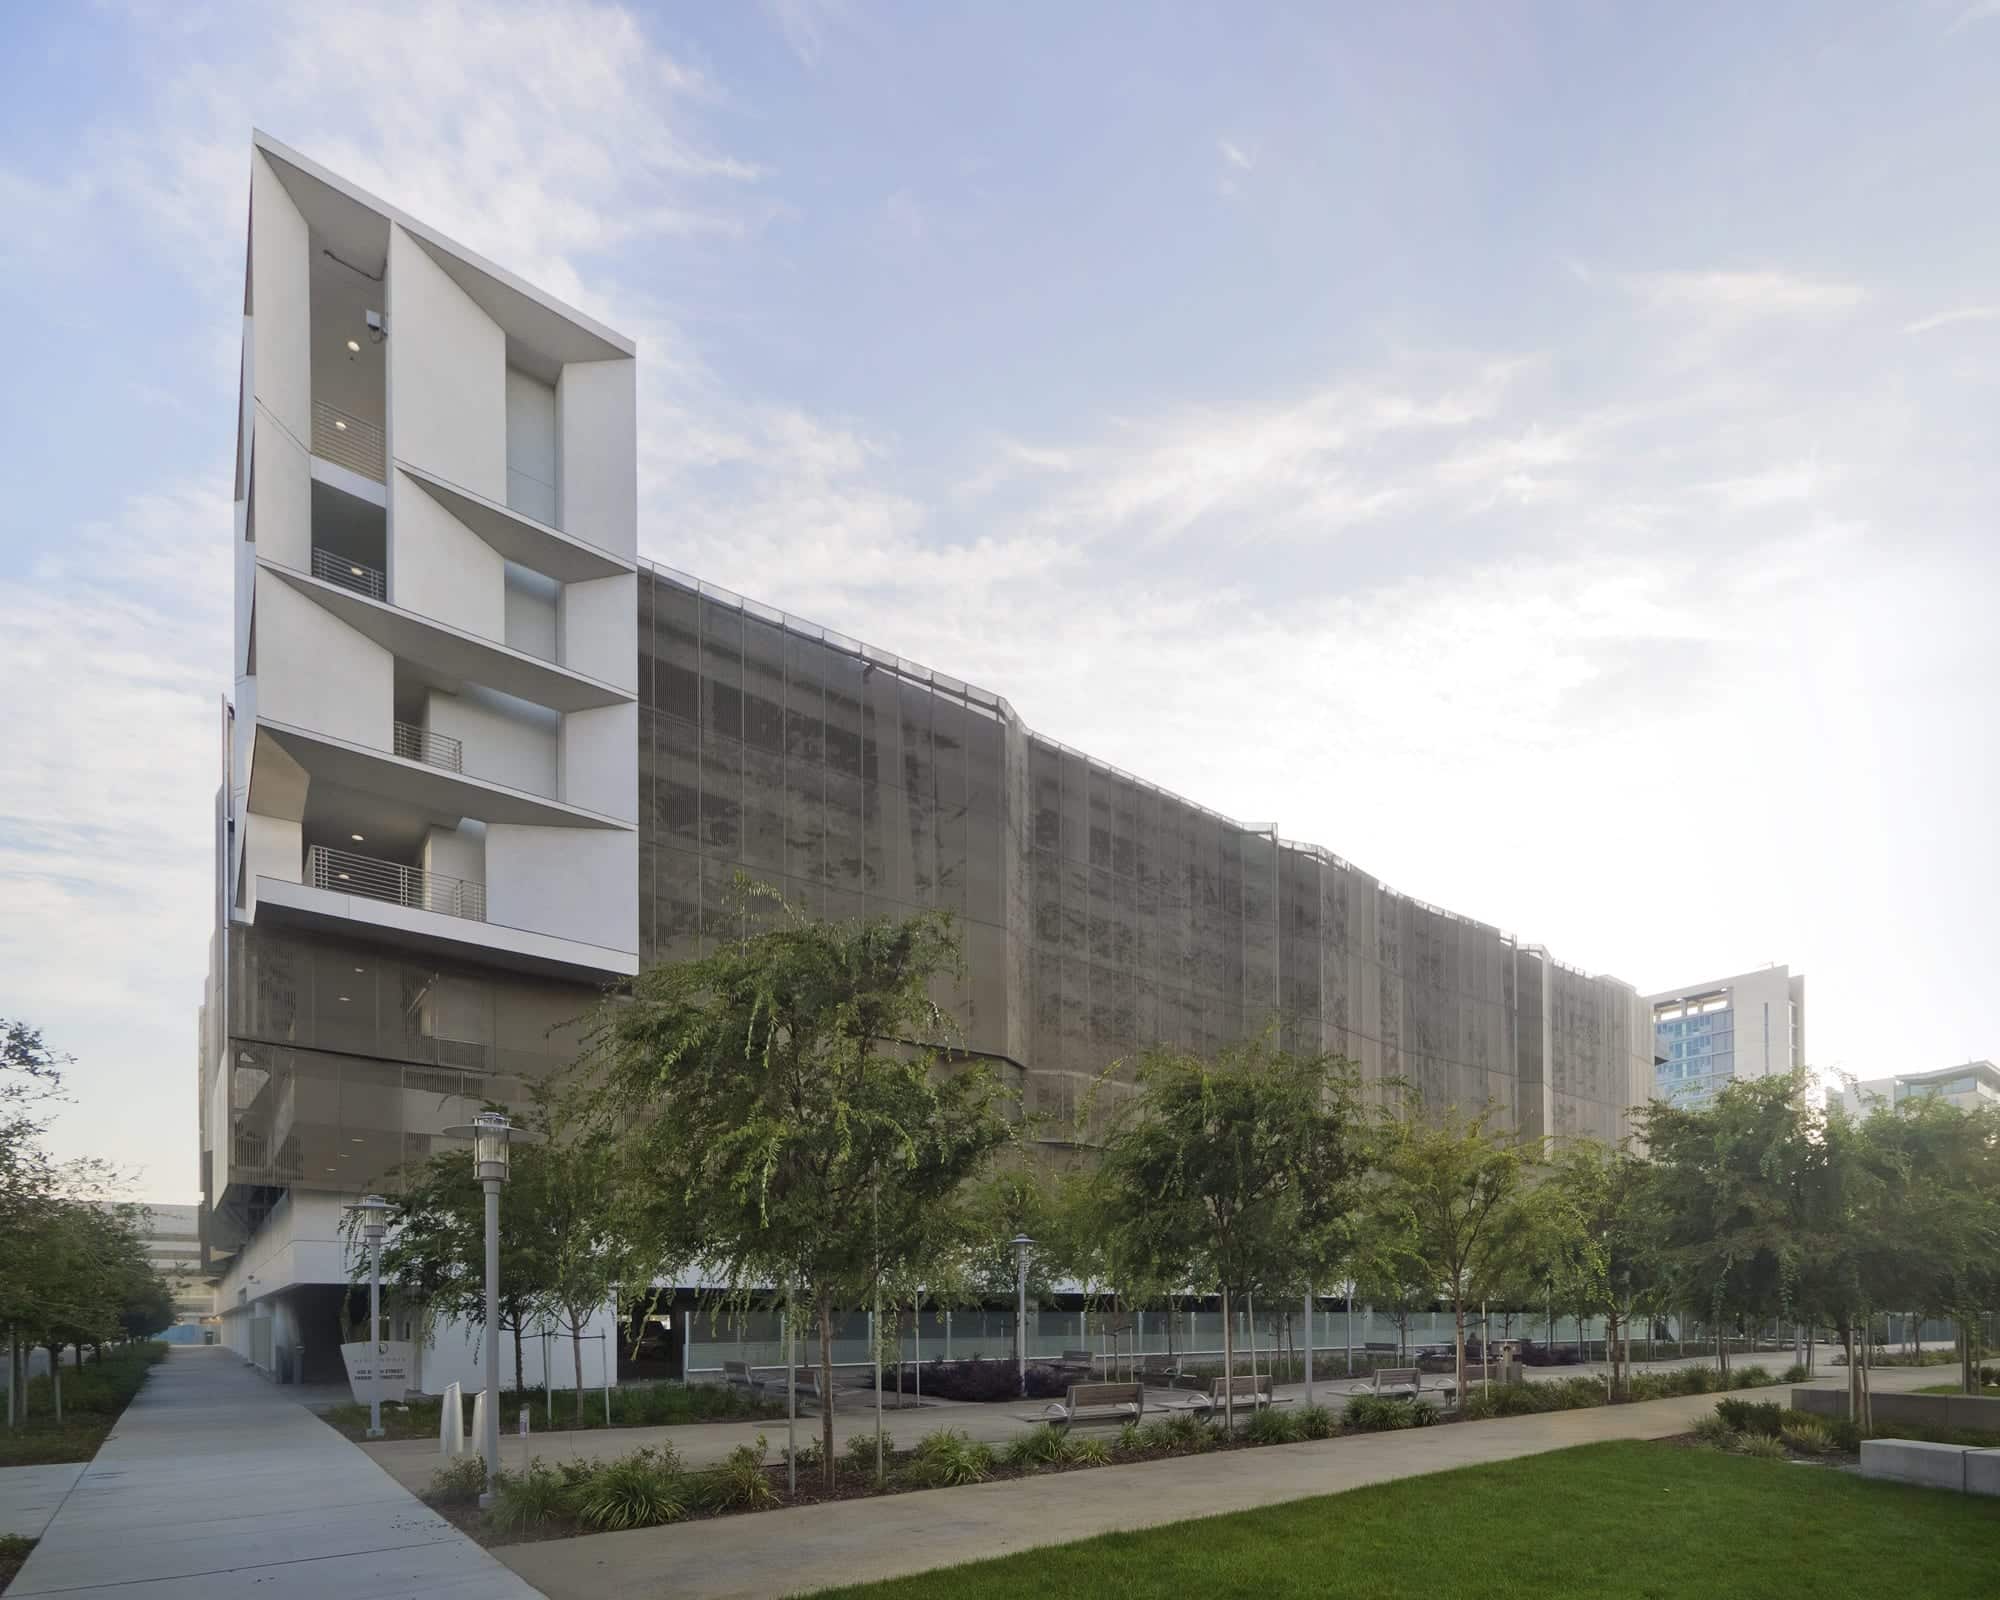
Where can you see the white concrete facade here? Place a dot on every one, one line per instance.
(1728, 1030)
(427, 844)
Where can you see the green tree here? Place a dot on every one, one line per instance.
(1730, 1192)
(790, 1095)
(1216, 1170)
(1447, 1199)
(1593, 1215)
(434, 1256)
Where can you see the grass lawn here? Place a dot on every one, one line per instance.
(1990, 1391)
(1623, 1521)
(40, 1442)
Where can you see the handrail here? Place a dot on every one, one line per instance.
(345, 872)
(348, 441)
(433, 749)
(355, 575)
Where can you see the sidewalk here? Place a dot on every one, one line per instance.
(214, 1483)
(796, 1551)
(412, 1461)
(29, 1496)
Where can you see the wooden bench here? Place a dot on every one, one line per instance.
(1077, 1361)
(1096, 1404)
(1216, 1393)
(737, 1375)
(1394, 1383)
(1162, 1372)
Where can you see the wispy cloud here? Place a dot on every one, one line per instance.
(1235, 155)
(1745, 296)
(1946, 319)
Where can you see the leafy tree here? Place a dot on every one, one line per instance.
(1729, 1191)
(1593, 1216)
(790, 1097)
(434, 1255)
(1217, 1169)
(1447, 1200)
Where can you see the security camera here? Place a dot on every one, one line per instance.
(376, 331)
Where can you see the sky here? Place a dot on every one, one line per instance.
(1544, 453)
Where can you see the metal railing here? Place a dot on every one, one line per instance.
(433, 749)
(355, 575)
(344, 872)
(349, 442)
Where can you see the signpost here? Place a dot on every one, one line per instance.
(379, 1371)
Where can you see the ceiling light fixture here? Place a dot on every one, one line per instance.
(339, 426)
(354, 345)
(343, 999)
(355, 570)
(357, 839)
(343, 877)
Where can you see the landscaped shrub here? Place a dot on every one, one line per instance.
(947, 1458)
(810, 1456)
(530, 1499)
(1132, 1437)
(1314, 1422)
(740, 1482)
(1712, 1430)
(1762, 1446)
(1042, 1445)
(1090, 1452)
(459, 1482)
(986, 1381)
(1751, 1378)
(861, 1450)
(1796, 1373)
(1750, 1416)
(1184, 1433)
(641, 1490)
(1846, 1434)
(1807, 1436)
(1367, 1413)
(1271, 1426)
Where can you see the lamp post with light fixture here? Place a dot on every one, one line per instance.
(489, 1131)
(1022, 1244)
(373, 1211)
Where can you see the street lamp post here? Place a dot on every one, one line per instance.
(374, 1211)
(489, 1131)
(1022, 1244)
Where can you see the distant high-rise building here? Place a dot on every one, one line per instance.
(1971, 1086)
(1727, 1030)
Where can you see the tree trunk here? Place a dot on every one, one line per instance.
(55, 1379)
(520, 1382)
(79, 1355)
(1228, 1366)
(1458, 1343)
(825, 1309)
(576, 1353)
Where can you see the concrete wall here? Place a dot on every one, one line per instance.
(598, 413)
(598, 771)
(280, 520)
(572, 883)
(506, 741)
(280, 298)
(1968, 1413)
(532, 606)
(440, 568)
(447, 375)
(315, 672)
(597, 629)
(531, 447)
(273, 848)
(457, 852)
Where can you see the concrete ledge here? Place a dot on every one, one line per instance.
(1982, 1472)
(1968, 1412)
(1933, 1466)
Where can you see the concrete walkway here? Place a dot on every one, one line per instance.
(216, 1484)
(412, 1461)
(812, 1547)
(29, 1496)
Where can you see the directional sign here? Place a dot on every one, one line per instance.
(379, 1371)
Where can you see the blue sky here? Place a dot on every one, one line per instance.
(1541, 452)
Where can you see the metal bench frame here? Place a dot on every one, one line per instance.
(1096, 1405)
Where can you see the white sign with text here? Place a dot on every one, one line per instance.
(379, 1371)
